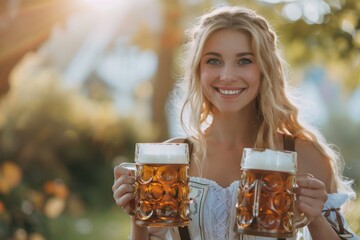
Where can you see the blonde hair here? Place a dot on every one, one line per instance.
(277, 112)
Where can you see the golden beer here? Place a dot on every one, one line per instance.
(265, 204)
(162, 194)
(162, 184)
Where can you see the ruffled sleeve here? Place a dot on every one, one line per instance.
(333, 213)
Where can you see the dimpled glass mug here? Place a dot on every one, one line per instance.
(265, 204)
(162, 184)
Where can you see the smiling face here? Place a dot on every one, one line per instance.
(230, 76)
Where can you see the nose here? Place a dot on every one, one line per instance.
(228, 73)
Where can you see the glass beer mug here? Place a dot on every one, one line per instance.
(162, 184)
(265, 204)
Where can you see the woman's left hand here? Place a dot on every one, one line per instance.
(311, 196)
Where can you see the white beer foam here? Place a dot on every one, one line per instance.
(267, 159)
(163, 153)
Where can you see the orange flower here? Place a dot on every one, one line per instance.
(2, 207)
(56, 188)
(10, 176)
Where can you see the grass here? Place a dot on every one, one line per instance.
(353, 215)
(95, 225)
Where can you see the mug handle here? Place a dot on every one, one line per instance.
(132, 168)
(129, 166)
(300, 220)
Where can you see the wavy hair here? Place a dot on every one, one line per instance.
(275, 104)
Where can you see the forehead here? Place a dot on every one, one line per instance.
(228, 40)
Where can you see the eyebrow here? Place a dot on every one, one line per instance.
(237, 55)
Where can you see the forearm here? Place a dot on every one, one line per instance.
(320, 229)
(137, 232)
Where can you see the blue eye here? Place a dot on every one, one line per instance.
(213, 61)
(244, 61)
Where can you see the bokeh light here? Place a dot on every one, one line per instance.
(292, 11)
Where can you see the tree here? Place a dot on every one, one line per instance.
(25, 25)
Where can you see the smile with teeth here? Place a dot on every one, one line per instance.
(230, 92)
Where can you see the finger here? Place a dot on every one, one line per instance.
(311, 183)
(311, 193)
(125, 199)
(305, 182)
(309, 207)
(128, 209)
(311, 187)
(119, 171)
(122, 190)
(315, 203)
(124, 179)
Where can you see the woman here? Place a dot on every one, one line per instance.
(236, 92)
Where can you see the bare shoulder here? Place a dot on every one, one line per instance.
(311, 160)
(176, 140)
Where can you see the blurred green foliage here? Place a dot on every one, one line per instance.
(353, 216)
(343, 133)
(57, 150)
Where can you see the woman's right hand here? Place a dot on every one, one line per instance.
(124, 190)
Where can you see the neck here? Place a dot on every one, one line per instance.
(234, 129)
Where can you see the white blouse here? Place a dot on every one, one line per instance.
(213, 214)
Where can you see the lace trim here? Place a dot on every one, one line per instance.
(221, 211)
(221, 202)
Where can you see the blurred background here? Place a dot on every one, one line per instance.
(81, 81)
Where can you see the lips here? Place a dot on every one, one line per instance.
(230, 91)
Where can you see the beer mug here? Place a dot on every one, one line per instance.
(162, 184)
(265, 204)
